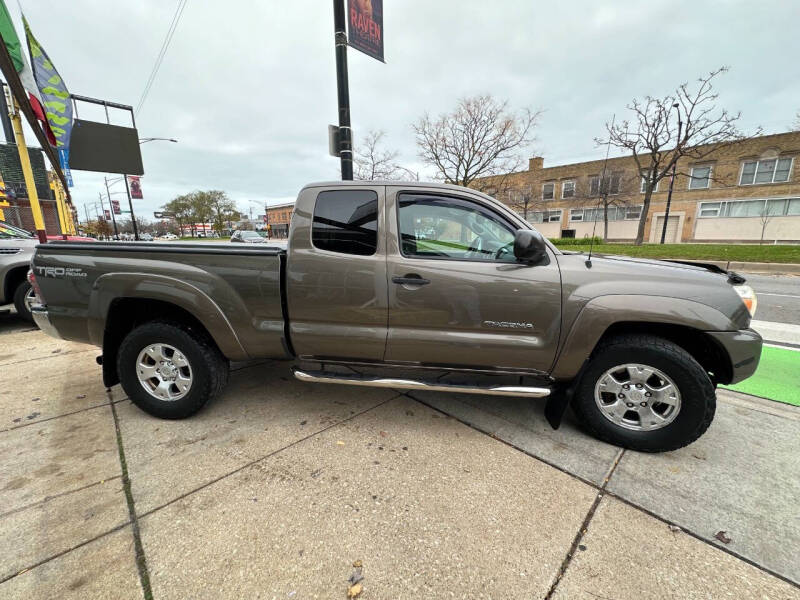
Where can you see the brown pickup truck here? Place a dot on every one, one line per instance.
(411, 286)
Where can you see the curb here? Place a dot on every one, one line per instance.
(753, 267)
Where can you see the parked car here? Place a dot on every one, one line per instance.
(16, 251)
(481, 303)
(169, 236)
(146, 237)
(248, 237)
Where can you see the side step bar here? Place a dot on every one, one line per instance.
(410, 384)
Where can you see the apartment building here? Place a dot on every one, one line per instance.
(745, 192)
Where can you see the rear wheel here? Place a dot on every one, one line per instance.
(169, 370)
(24, 298)
(644, 393)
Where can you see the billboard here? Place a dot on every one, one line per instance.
(135, 186)
(365, 27)
(104, 148)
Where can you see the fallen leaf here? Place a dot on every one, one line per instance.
(354, 590)
(340, 443)
(674, 528)
(357, 564)
(80, 396)
(723, 537)
(383, 434)
(35, 399)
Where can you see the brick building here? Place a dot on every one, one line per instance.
(739, 193)
(278, 217)
(19, 212)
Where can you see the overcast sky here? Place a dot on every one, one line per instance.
(248, 88)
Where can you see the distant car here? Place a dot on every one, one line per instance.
(169, 236)
(146, 237)
(248, 237)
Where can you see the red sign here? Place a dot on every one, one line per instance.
(108, 214)
(115, 206)
(135, 186)
(365, 27)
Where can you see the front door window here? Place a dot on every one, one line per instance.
(452, 228)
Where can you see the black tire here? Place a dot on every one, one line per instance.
(19, 301)
(698, 401)
(209, 368)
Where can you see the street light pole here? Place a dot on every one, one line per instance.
(672, 178)
(343, 91)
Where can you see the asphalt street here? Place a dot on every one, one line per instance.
(778, 297)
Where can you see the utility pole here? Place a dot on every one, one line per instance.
(672, 178)
(111, 207)
(130, 205)
(343, 91)
(27, 171)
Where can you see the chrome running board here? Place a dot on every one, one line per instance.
(410, 384)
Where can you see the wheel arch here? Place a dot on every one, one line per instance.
(14, 276)
(683, 322)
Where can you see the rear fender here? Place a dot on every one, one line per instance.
(193, 300)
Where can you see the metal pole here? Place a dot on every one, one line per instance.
(130, 205)
(343, 91)
(7, 129)
(111, 207)
(671, 183)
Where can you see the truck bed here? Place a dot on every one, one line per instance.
(239, 301)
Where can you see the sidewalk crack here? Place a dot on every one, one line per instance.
(141, 561)
(584, 527)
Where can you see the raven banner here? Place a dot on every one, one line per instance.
(365, 27)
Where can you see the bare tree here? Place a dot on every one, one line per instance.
(765, 216)
(371, 161)
(521, 199)
(796, 124)
(610, 189)
(652, 134)
(482, 137)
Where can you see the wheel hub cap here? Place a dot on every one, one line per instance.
(164, 372)
(637, 397)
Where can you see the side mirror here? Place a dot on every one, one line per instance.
(530, 247)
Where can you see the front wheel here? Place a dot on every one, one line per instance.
(644, 393)
(169, 370)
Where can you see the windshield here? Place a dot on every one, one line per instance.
(11, 232)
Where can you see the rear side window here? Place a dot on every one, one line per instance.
(346, 221)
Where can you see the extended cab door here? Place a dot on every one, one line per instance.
(457, 295)
(336, 273)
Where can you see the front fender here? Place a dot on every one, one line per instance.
(600, 313)
(112, 286)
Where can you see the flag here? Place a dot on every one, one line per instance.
(23, 69)
(53, 90)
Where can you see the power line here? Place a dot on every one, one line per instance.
(162, 52)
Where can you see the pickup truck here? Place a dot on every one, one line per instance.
(418, 287)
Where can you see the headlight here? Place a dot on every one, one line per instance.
(748, 296)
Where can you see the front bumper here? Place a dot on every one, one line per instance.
(42, 319)
(743, 348)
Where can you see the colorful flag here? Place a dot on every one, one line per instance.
(53, 90)
(23, 69)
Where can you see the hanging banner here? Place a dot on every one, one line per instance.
(115, 206)
(135, 187)
(365, 27)
(108, 214)
(55, 96)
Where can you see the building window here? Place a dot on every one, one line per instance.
(346, 221)
(700, 178)
(610, 184)
(643, 186)
(568, 189)
(773, 207)
(548, 191)
(615, 213)
(773, 170)
(545, 216)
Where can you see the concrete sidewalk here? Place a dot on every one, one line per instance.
(278, 487)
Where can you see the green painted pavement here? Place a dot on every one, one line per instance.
(777, 376)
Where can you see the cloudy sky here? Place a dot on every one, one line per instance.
(248, 87)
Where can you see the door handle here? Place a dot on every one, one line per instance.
(410, 279)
